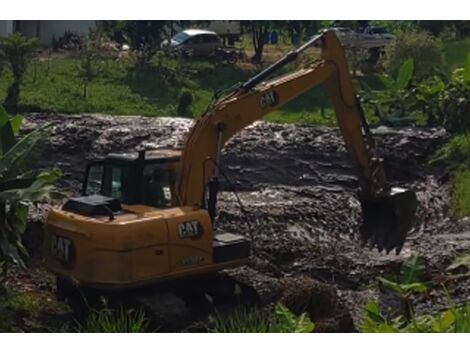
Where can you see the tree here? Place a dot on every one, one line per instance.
(87, 67)
(20, 184)
(144, 37)
(259, 33)
(17, 50)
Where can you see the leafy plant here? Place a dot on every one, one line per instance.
(17, 50)
(245, 320)
(407, 283)
(390, 102)
(115, 321)
(455, 319)
(20, 184)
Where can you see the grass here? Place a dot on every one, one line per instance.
(455, 157)
(252, 320)
(53, 85)
(15, 304)
(115, 321)
(461, 193)
(456, 53)
(122, 89)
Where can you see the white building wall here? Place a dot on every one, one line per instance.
(55, 29)
(6, 27)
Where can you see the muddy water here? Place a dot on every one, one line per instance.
(297, 187)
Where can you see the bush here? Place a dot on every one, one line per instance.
(454, 154)
(425, 49)
(185, 104)
(456, 101)
(68, 41)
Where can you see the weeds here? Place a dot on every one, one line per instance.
(245, 320)
(13, 304)
(454, 319)
(115, 321)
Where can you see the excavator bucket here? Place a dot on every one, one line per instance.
(386, 220)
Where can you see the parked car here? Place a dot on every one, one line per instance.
(194, 42)
(372, 37)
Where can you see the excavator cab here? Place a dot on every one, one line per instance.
(146, 178)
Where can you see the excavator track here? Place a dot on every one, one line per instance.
(174, 306)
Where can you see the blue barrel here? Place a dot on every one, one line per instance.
(274, 37)
(295, 39)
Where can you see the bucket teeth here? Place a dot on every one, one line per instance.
(386, 220)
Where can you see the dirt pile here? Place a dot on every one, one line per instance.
(297, 185)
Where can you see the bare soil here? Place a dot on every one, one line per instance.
(298, 188)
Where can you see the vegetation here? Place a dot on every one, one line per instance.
(421, 47)
(245, 320)
(87, 67)
(17, 50)
(13, 304)
(408, 283)
(391, 101)
(20, 184)
(115, 321)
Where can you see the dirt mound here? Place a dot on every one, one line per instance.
(320, 301)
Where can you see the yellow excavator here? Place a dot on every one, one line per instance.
(147, 217)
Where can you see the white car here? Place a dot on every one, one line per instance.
(195, 42)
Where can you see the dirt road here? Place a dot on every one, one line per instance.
(298, 188)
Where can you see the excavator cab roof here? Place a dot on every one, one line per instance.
(153, 156)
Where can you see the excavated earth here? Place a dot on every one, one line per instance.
(298, 190)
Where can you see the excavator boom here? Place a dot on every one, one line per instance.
(387, 213)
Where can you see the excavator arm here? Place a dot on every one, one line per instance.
(387, 213)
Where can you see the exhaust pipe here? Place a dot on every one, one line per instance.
(387, 219)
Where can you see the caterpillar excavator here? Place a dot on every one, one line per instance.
(146, 218)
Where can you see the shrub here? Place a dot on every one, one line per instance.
(456, 101)
(17, 50)
(454, 154)
(185, 104)
(68, 41)
(425, 49)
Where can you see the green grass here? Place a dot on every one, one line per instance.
(252, 320)
(15, 304)
(456, 53)
(122, 89)
(461, 192)
(455, 157)
(115, 321)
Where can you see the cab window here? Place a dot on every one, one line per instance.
(120, 179)
(157, 186)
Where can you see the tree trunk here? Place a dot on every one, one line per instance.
(258, 37)
(11, 101)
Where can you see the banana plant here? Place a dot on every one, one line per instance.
(390, 101)
(20, 184)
